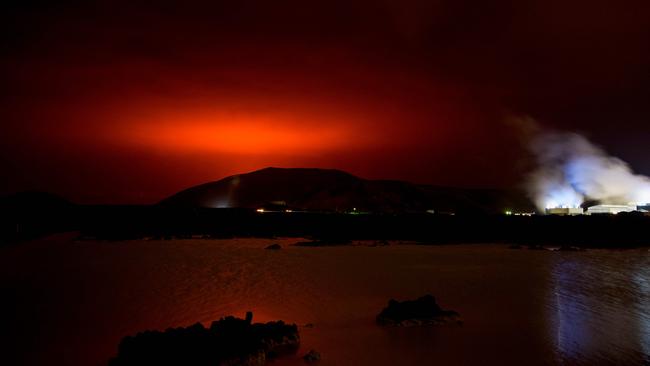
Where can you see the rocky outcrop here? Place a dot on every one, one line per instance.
(324, 243)
(274, 247)
(423, 311)
(229, 341)
(311, 356)
(569, 248)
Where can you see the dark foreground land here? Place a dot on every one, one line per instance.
(229, 341)
(160, 222)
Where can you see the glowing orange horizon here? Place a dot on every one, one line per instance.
(244, 133)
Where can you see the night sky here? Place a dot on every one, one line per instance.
(129, 102)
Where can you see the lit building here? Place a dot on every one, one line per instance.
(610, 209)
(564, 211)
(643, 207)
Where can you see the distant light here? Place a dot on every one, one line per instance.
(222, 203)
(260, 210)
(288, 210)
(508, 212)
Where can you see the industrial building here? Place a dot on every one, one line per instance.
(603, 209)
(564, 211)
(644, 207)
(610, 209)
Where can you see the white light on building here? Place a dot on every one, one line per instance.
(610, 209)
(564, 211)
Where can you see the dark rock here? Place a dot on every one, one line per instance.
(423, 311)
(568, 248)
(274, 247)
(311, 356)
(324, 243)
(228, 342)
(379, 243)
(536, 247)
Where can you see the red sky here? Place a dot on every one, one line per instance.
(128, 102)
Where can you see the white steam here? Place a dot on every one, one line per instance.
(570, 169)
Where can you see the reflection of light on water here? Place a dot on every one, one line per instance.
(571, 330)
(602, 308)
(641, 279)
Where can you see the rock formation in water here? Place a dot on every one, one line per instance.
(311, 356)
(227, 342)
(423, 311)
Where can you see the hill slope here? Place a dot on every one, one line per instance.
(335, 190)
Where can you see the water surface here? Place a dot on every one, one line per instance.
(69, 302)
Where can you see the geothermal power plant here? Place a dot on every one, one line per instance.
(599, 209)
(571, 172)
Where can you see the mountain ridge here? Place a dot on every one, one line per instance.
(316, 189)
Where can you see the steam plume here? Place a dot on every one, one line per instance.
(570, 169)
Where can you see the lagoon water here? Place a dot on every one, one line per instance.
(69, 303)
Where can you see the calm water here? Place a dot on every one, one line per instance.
(69, 303)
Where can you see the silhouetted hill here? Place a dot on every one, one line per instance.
(29, 201)
(335, 190)
(27, 215)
